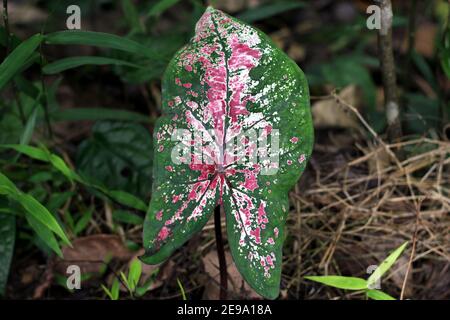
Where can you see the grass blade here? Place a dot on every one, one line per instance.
(115, 289)
(349, 283)
(108, 293)
(45, 234)
(74, 62)
(129, 217)
(17, 59)
(29, 127)
(58, 163)
(41, 214)
(131, 15)
(385, 265)
(99, 39)
(83, 222)
(127, 199)
(29, 151)
(32, 207)
(183, 293)
(8, 186)
(134, 274)
(94, 114)
(378, 295)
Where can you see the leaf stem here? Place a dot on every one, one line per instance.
(411, 43)
(6, 24)
(44, 94)
(8, 50)
(221, 254)
(44, 100)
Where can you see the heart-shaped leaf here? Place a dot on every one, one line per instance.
(236, 130)
(110, 158)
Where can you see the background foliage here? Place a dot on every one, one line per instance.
(76, 117)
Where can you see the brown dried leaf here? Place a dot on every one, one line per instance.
(90, 252)
(237, 287)
(328, 113)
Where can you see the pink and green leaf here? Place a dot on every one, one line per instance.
(229, 84)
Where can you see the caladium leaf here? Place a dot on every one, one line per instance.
(236, 131)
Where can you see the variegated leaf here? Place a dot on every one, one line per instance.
(236, 131)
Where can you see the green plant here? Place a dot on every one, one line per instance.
(229, 83)
(42, 154)
(39, 217)
(131, 282)
(114, 293)
(444, 45)
(182, 291)
(359, 284)
(26, 210)
(109, 157)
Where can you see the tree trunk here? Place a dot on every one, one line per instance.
(388, 71)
